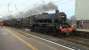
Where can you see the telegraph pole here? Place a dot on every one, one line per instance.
(8, 8)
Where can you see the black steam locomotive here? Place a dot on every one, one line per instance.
(51, 22)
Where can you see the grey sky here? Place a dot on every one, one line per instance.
(68, 6)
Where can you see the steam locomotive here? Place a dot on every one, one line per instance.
(51, 22)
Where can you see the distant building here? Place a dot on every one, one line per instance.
(73, 20)
(82, 13)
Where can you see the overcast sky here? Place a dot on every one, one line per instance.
(14, 6)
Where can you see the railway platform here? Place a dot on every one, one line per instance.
(83, 30)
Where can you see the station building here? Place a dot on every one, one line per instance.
(82, 14)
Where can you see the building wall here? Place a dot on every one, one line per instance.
(83, 24)
(82, 10)
(82, 13)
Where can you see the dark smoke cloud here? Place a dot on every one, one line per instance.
(41, 9)
(49, 6)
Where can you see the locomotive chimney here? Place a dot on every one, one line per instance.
(57, 11)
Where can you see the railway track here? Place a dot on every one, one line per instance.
(78, 40)
(82, 39)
